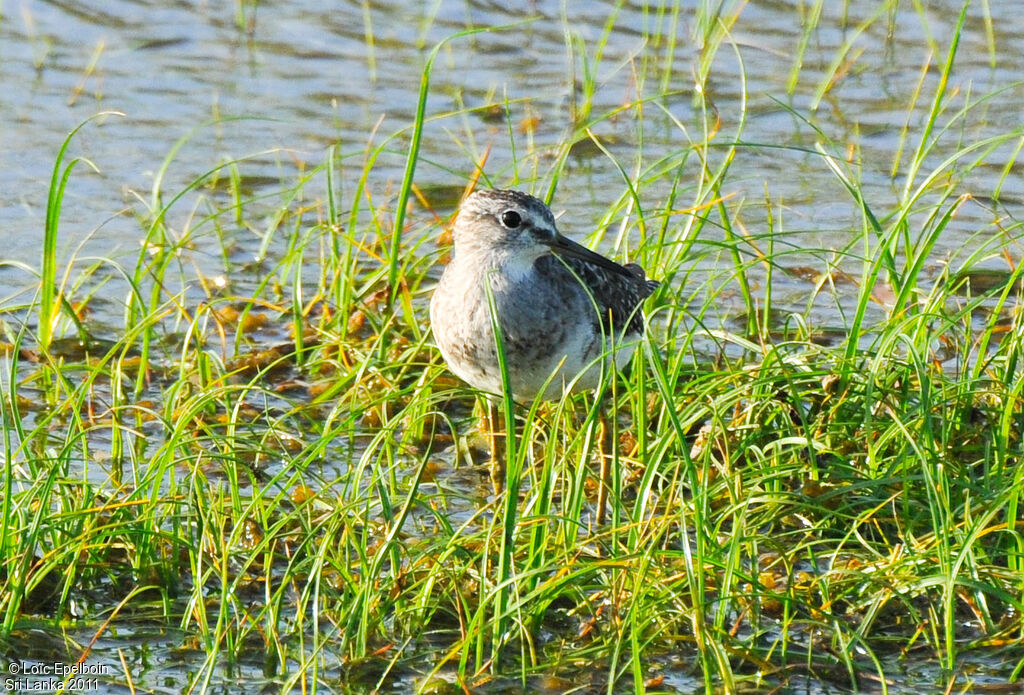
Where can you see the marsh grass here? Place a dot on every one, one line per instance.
(280, 473)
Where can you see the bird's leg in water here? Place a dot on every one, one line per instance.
(490, 421)
(605, 453)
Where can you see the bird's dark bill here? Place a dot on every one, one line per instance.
(567, 247)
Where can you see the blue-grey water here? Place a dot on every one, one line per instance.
(303, 76)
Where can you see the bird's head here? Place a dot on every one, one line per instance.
(512, 224)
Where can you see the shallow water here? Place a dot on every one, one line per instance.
(285, 81)
(302, 77)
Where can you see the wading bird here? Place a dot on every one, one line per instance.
(565, 312)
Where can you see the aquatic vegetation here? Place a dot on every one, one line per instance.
(815, 468)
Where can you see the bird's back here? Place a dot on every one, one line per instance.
(617, 296)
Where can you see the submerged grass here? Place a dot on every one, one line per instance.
(275, 465)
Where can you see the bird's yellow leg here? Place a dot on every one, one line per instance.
(489, 423)
(605, 453)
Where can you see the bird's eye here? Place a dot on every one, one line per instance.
(511, 219)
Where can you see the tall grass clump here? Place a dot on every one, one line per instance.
(269, 462)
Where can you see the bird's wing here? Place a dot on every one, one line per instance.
(617, 295)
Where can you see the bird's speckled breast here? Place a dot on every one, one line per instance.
(538, 338)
